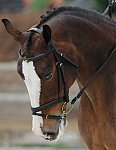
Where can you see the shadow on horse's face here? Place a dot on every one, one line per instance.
(41, 79)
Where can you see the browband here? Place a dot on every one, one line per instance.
(38, 30)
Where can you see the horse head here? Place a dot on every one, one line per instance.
(41, 66)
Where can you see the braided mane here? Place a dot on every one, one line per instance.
(53, 13)
(79, 12)
(90, 15)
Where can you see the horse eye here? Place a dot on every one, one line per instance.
(48, 76)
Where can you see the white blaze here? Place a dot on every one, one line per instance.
(33, 84)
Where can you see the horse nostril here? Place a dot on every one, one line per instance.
(51, 134)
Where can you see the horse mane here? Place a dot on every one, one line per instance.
(92, 15)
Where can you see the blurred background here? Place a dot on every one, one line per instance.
(15, 113)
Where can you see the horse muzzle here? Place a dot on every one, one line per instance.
(50, 129)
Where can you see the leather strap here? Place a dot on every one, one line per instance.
(47, 105)
(50, 116)
(36, 58)
(94, 76)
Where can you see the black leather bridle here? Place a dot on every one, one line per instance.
(59, 57)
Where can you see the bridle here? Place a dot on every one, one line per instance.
(59, 57)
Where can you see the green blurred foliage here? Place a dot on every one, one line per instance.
(38, 4)
(102, 4)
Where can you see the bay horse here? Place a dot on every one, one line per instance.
(69, 44)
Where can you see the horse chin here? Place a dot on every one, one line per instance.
(37, 124)
(59, 133)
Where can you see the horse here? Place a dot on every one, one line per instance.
(70, 44)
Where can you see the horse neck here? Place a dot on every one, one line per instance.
(86, 42)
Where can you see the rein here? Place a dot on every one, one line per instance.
(61, 74)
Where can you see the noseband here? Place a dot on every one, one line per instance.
(59, 57)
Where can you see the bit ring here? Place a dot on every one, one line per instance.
(64, 111)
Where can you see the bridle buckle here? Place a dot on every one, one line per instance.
(46, 117)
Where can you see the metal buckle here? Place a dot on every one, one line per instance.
(26, 60)
(63, 117)
(46, 116)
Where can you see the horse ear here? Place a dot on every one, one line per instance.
(18, 36)
(46, 33)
